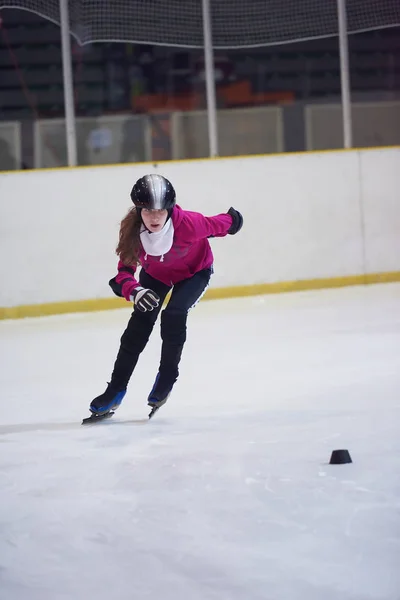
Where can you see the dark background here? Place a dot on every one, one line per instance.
(108, 76)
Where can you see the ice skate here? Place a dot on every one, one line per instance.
(161, 391)
(107, 402)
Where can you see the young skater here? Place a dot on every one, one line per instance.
(171, 246)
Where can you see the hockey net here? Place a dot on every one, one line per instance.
(235, 23)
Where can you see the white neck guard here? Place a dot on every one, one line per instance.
(158, 243)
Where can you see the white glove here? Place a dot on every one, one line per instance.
(145, 299)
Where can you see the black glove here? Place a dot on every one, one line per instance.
(145, 299)
(237, 221)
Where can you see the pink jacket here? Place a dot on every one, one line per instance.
(190, 252)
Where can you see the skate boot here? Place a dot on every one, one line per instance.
(162, 388)
(107, 402)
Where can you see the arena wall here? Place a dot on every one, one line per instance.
(311, 220)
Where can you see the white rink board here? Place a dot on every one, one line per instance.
(304, 217)
(380, 192)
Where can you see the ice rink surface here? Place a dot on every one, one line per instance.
(228, 493)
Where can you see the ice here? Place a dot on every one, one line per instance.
(228, 493)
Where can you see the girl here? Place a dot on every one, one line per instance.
(171, 246)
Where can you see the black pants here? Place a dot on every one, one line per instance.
(173, 327)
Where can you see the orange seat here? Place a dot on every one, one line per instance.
(157, 102)
(236, 94)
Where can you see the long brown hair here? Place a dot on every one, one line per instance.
(129, 238)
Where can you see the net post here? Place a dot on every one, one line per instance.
(68, 85)
(210, 80)
(344, 74)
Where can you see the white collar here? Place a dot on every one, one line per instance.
(159, 242)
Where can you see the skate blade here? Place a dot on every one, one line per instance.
(96, 418)
(153, 411)
(156, 407)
